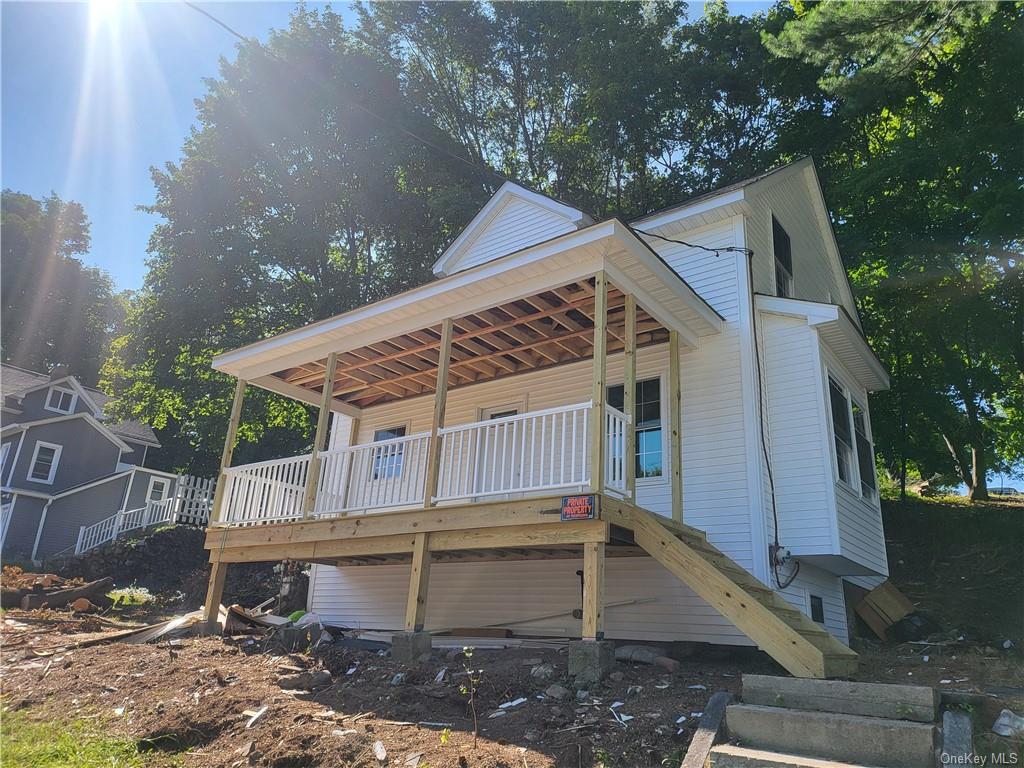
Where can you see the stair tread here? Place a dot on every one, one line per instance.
(761, 757)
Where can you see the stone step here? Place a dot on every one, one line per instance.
(731, 756)
(899, 702)
(831, 736)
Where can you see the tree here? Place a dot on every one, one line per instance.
(926, 189)
(56, 310)
(299, 195)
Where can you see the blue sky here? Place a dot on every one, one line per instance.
(94, 94)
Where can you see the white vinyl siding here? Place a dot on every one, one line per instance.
(829, 587)
(45, 460)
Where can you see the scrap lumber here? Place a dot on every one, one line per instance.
(707, 730)
(61, 597)
(882, 607)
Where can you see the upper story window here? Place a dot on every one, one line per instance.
(647, 415)
(61, 400)
(387, 459)
(783, 248)
(45, 458)
(855, 453)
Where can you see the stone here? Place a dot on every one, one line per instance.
(590, 661)
(398, 679)
(616, 677)
(557, 692)
(957, 738)
(305, 681)
(1008, 724)
(638, 654)
(543, 672)
(582, 695)
(409, 647)
(669, 665)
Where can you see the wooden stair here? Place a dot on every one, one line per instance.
(786, 634)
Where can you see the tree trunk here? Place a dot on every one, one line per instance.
(979, 483)
(960, 464)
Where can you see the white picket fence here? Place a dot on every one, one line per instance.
(190, 504)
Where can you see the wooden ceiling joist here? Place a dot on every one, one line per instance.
(549, 328)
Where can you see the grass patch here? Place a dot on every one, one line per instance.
(130, 596)
(29, 742)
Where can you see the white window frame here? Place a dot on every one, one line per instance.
(872, 494)
(378, 455)
(153, 481)
(64, 391)
(855, 484)
(5, 451)
(53, 465)
(666, 476)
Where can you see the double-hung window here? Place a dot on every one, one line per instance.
(855, 454)
(60, 400)
(647, 417)
(387, 459)
(45, 458)
(783, 248)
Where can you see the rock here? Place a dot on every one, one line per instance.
(305, 681)
(1008, 724)
(398, 679)
(616, 677)
(1007, 644)
(557, 692)
(638, 654)
(543, 672)
(379, 752)
(82, 605)
(582, 695)
(669, 665)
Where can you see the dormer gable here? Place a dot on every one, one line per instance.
(513, 219)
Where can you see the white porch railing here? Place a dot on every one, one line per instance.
(512, 456)
(385, 474)
(267, 491)
(525, 453)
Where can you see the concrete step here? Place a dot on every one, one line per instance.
(731, 756)
(899, 702)
(831, 736)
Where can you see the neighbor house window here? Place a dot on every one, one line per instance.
(387, 459)
(865, 451)
(841, 430)
(43, 466)
(157, 489)
(783, 248)
(60, 400)
(647, 416)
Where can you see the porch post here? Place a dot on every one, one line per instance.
(229, 450)
(440, 402)
(629, 397)
(593, 590)
(214, 592)
(675, 426)
(320, 438)
(597, 396)
(419, 577)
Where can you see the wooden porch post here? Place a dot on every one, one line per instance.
(320, 438)
(229, 450)
(214, 592)
(440, 402)
(675, 426)
(416, 606)
(629, 396)
(593, 591)
(597, 397)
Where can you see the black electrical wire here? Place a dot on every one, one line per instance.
(716, 251)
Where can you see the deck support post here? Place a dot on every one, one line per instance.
(675, 396)
(419, 578)
(320, 437)
(593, 590)
(597, 397)
(214, 592)
(629, 397)
(216, 513)
(440, 402)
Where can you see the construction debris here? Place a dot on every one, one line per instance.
(46, 590)
(882, 607)
(305, 681)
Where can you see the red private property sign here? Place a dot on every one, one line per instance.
(578, 507)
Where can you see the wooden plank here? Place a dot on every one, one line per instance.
(419, 577)
(440, 403)
(229, 450)
(313, 550)
(323, 421)
(707, 731)
(597, 396)
(629, 395)
(675, 426)
(593, 591)
(882, 607)
(214, 592)
(537, 534)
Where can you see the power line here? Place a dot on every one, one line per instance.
(717, 251)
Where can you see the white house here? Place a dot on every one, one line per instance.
(715, 343)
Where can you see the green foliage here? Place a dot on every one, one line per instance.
(43, 284)
(36, 743)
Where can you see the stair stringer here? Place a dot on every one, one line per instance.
(749, 605)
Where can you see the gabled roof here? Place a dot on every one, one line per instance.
(89, 419)
(548, 218)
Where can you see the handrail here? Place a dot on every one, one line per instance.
(517, 417)
(268, 463)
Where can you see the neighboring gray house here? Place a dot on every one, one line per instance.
(64, 464)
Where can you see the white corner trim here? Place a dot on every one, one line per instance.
(14, 461)
(57, 449)
(39, 530)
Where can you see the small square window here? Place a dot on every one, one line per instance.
(387, 459)
(60, 400)
(817, 609)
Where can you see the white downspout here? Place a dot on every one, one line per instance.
(39, 530)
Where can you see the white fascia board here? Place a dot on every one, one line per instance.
(684, 211)
(93, 484)
(11, 429)
(66, 381)
(374, 322)
(813, 311)
(88, 418)
(492, 207)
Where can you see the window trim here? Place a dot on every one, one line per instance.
(5, 452)
(375, 465)
(63, 390)
(811, 598)
(873, 494)
(57, 449)
(666, 476)
(165, 482)
(855, 483)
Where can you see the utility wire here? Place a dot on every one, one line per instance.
(716, 251)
